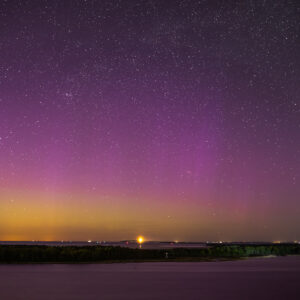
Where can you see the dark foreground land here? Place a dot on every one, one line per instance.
(93, 254)
(255, 278)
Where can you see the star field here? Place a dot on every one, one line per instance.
(172, 119)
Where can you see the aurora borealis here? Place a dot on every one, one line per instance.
(177, 120)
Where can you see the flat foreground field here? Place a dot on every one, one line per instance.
(255, 278)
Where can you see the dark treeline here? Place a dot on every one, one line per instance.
(25, 254)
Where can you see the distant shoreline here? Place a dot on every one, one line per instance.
(112, 254)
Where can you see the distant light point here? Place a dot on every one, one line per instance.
(140, 239)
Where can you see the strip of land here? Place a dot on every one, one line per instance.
(108, 254)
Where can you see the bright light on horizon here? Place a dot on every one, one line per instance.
(140, 239)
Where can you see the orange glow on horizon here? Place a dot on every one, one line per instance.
(31, 215)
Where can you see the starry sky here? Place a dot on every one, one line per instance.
(178, 120)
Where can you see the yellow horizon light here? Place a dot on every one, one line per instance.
(140, 239)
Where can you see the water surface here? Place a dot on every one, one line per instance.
(259, 278)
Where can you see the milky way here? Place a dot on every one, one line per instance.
(171, 119)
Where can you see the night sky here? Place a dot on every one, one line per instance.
(177, 120)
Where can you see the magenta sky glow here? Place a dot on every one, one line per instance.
(173, 119)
